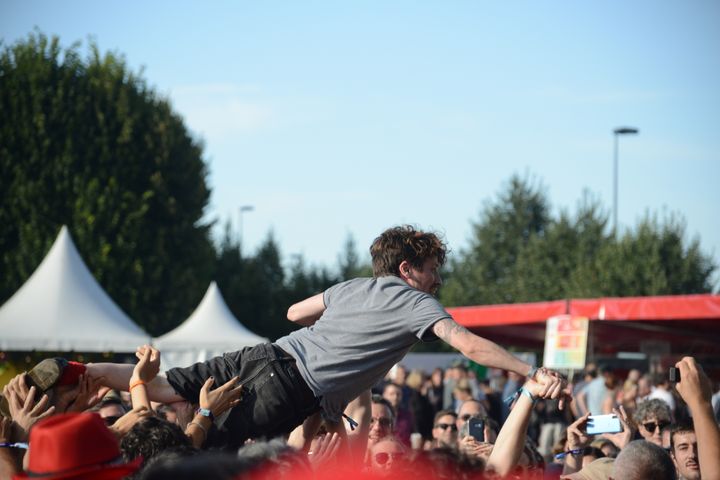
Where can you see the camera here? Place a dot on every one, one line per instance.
(674, 374)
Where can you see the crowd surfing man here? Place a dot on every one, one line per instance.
(355, 332)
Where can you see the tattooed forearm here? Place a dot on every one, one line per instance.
(446, 328)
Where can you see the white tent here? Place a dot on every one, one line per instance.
(210, 331)
(62, 308)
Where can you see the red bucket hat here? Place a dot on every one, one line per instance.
(75, 446)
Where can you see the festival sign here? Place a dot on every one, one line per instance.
(566, 342)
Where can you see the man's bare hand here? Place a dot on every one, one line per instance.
(148, 365)
(694, 386)
(326, 450)
(89, 392)
(222, 398)
(26, 413)
(554, 385)
(473, 448)
(621, 439)
(577, 436)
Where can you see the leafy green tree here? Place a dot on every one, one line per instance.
(483, 273)
(349, 263)
(654, 258)
(519, 253)
(86, 143)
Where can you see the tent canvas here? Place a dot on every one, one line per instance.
(687, 324)
(61, 307)
(210, 331)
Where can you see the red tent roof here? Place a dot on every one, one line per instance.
(688, 324)
(672, 307)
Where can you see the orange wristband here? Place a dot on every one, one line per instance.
(135, 384)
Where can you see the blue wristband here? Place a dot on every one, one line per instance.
(528, 393)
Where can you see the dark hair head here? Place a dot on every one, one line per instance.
(405, 243)
(151, 436)
(680, 427)
(442, 413)
(378, 399)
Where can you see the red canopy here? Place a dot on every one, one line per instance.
(686, 324)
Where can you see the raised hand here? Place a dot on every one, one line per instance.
(694, 386)
(621, 439)
(26, 413)
(326, 450)
(222, 398)
(148, 364)
(577, 436)
(89, 393)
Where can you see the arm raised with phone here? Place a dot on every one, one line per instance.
(694, 387)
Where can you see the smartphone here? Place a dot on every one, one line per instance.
(598, 424)
(476, 429)
(673, 375)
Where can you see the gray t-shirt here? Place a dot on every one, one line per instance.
(369, 324)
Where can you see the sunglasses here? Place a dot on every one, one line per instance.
(445, 426)
(382, 458)
(383, 421)
(652, 426)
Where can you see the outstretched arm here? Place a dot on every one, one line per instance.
(308, 311)
(694, 387)
(478, 349)
(511, 438)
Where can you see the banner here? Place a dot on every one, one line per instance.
(566, 342)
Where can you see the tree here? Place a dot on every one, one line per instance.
(483, 273)
(519, 253)
(86, 143)
(349, 261)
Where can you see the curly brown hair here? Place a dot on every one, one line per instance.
(405, 243)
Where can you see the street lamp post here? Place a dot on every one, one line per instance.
(617, 132)
(243, 209)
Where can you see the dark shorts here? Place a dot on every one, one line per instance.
(275, 397)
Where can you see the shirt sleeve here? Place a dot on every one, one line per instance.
(426, 312)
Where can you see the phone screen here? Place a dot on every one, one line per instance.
(597, 424)
(476, 429)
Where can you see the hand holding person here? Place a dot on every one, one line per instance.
(212, 403)
(88, 393)
(554, 383)
(26, 413)
(325, 450)
(222, 398)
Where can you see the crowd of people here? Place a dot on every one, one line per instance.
(445, 424)
(332, 400)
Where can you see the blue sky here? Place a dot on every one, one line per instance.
(337, 118)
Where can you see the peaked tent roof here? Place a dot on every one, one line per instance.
(61, 307)
(211, 330)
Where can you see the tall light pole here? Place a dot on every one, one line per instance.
(243, 209)
(618, 131)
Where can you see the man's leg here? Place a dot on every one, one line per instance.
(117, 376)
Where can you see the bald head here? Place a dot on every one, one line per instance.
(641, 460)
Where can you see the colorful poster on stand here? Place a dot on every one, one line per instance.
(566, 342)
